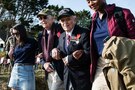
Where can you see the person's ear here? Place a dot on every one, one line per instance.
(75, 18)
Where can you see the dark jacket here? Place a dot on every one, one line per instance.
(77, 71)
(52, 42)
(113, 30)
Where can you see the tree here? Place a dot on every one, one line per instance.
(19, 11)
(24, 10)
(55, 9)
(84, 18)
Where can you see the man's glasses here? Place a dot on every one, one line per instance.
(42, 17)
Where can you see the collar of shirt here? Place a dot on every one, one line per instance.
(69, 33)
(103, 17)
(48, 31)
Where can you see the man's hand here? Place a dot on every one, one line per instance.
(47, 67)
(40, 55)
(65, 60)
(56, 54)
(77, 54)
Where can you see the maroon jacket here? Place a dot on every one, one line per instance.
(113, 30)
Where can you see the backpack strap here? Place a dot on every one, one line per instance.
(119, 16)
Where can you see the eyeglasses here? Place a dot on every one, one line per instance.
(42, 17)
(17, 33)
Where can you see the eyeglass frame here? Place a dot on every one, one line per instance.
(43, 17)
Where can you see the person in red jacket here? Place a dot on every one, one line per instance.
(104, 24)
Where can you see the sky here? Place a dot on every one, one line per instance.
(79, 5)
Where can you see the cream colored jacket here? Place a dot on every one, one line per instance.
(119, 55)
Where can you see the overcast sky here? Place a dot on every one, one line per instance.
(78, 5)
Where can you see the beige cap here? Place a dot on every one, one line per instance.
(44, 12)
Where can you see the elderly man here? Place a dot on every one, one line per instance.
(73, 48)
(48, 40)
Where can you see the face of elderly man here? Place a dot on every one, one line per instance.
(68, 22)
(46, 21)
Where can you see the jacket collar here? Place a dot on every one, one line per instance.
(74, 32)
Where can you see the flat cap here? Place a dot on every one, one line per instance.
(65, 12)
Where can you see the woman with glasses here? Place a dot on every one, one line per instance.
(22, 75)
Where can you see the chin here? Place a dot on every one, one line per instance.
(65, 29)
(44, 26)
(68, 30)
(94, 9)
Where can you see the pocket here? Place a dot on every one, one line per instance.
(129, 79)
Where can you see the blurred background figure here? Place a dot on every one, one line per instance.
(10, 44)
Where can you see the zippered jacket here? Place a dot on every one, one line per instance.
(113, 29)
(119, 57)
